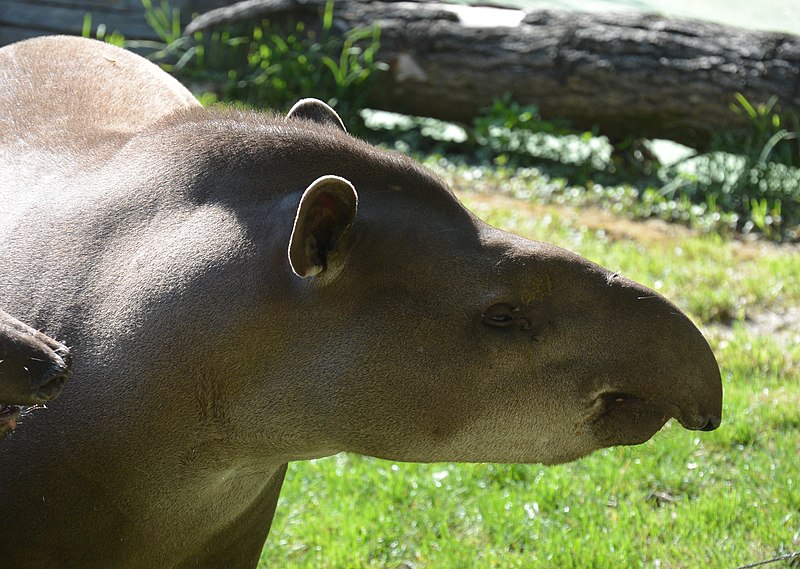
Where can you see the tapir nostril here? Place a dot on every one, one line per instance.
(53, 382)
(711, 424)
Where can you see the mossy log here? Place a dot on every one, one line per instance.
(628, 74)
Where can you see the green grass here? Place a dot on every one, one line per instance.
(684, 499)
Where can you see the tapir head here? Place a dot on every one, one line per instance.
(344, 300)
(438, 337)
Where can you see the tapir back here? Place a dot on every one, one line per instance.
(63, 94)
(66, 105)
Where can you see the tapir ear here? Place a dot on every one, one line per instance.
(317, 111)
(323, 221)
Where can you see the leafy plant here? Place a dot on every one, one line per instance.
(269, 64)
(507, 135)
(755, 172)
(772, 136)
(749, 181)
(165, 21)
(114, 38)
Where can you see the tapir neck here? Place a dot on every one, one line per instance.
(240, 541)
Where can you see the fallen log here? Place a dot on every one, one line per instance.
(628, 75)
(23, 19)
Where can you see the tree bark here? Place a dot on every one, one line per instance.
(628, 74)
(23, 19)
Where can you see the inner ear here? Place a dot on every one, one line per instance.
(316, 111)
(324, 218)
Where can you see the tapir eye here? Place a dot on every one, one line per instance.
(499, 315)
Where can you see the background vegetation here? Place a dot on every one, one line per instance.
(747, 182)
(720, 499)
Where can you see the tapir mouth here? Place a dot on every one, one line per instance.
(625, 419)
(8, 418)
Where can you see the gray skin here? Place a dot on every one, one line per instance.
(242, 291)
(33, 369)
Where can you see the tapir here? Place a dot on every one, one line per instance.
(243, 290)
(33, 369)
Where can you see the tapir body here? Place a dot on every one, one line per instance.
(33, 369)
(242, 290)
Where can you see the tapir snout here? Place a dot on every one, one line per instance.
(670, 370)
(33, 366)
(640, 358)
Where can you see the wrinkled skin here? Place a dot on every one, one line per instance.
(33, 369)
(242, 291)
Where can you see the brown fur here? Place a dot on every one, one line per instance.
(205, 363)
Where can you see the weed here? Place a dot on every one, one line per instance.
(753, 172)
(269, 64)
(165, 21)
(114, 38)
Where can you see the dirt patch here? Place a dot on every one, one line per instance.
(783, 324)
